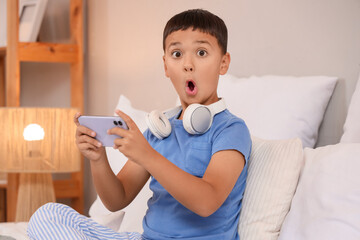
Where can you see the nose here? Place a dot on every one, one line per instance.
(188, 64)
(188, 68)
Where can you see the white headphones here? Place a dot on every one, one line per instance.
(197, 118)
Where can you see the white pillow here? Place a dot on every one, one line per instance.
(112, 220)
(326, 202)
(273, 174)
(352, 123)
(135, 211)
(279, 107)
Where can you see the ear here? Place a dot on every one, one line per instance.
(165, 67)
(225, 63)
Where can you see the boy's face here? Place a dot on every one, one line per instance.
(193, 60)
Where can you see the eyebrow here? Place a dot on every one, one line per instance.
(174, 44)
(197, 41)
(203, 41)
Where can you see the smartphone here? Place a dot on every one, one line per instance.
(100, 125)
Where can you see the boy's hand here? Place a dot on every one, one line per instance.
(133, 144)
(85, 141)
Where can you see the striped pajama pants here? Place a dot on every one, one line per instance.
(58, 221)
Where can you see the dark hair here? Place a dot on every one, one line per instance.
(202, 20)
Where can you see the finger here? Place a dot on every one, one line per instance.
(118, 147)
(129, 122)
(87, 139)
(119, 142)
(118, 131)
(82, 130)
(87, 146)
(76, 118)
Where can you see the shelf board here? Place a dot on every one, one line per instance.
(67, 188)
(2, 51)
(3, 180)
(45, 52)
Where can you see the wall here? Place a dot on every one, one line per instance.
(124, 51)
(265, 37)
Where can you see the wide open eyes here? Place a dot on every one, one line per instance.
(202, 53)
(176, 54)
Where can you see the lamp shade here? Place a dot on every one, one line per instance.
(37, 140)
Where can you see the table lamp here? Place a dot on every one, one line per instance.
(36, 142)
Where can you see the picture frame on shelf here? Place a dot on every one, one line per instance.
(31, 13)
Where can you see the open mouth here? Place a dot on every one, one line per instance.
(191, 87)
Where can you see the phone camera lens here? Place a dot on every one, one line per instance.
(120, 123)
(115, 123)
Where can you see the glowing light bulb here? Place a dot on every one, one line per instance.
(33, 132)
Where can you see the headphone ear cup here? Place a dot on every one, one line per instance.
(158, 124)
(197, 119)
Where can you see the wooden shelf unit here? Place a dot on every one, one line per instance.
(10, 58)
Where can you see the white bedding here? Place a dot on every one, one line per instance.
(14, 230)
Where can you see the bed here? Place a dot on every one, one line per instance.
(13, 231)
(315, 197)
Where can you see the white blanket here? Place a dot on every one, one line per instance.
(14, 230)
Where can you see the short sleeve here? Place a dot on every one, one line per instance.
(147, 134)
(234, 136)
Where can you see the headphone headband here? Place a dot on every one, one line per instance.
(215, 108)
(197, 118)
(172, 112)
(218, 106)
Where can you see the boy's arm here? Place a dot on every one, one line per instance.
(116, 192)
(201, 195)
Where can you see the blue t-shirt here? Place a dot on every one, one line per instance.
(166, 218)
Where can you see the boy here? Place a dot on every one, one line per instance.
(198, 180)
